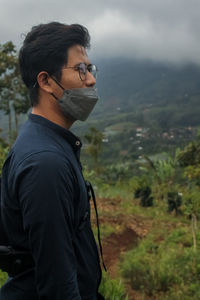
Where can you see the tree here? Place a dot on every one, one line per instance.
(94, 138)
(160, 173)
(189, 158)
(13, 93)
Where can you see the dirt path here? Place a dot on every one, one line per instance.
(115, 245)
(128, 230)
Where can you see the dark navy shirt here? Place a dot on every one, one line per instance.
(45, 210)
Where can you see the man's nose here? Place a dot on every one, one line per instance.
(90, 80)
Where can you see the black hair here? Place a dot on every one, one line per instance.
(45, 48)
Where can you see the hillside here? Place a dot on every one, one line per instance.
(144, 107)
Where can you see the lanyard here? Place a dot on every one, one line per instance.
(91, 192)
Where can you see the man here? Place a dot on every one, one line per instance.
(45, 206)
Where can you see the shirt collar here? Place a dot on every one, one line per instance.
(73, 140)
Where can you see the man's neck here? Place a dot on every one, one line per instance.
(53, 117)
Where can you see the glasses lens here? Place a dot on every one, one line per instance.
(82, 71)
(93, 70)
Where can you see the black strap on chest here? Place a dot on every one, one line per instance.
(91, 194)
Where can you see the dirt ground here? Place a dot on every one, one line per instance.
(129, 229)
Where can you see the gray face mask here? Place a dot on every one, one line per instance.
(77, 104)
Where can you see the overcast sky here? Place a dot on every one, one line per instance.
(163, 30)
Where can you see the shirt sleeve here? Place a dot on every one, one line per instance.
(46, 192)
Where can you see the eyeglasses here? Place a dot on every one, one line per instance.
(83, 68)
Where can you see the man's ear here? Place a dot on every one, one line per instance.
(44, 82)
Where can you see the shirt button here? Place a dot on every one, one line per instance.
(78, 143)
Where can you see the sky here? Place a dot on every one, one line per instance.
(160, 30)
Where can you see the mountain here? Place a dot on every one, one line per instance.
(149, 92)
(126, 83)
(155, 97)
(145, 107)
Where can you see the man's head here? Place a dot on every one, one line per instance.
(47, 50)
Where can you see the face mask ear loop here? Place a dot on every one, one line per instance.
(58, 83)
(52, 94)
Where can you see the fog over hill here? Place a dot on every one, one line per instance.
(171, 93)
(126, 83)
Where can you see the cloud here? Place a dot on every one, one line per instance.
(144, 34)
(161, 30)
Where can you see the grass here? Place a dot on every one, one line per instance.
(112, 289)
(163, 263)
(105, 229)
(112, 191)
(3, 278)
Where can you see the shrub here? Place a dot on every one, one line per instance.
(154, 268)
(3, 278)
(144, 194)
(3, 154)
(191, 203)
(174, 200)
(112, 289)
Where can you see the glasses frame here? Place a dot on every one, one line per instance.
(88, 68)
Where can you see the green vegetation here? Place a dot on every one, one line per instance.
(106, 230)
(165, 264)
(112, 289)
(3, 278)
(14, 98)
(3, 154)
(133, 155)
(94, 145)
(166, 268)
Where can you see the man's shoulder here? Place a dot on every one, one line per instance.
(40, 143)
(38, 164)
(38, 148)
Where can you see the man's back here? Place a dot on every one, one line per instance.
(45, 210)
